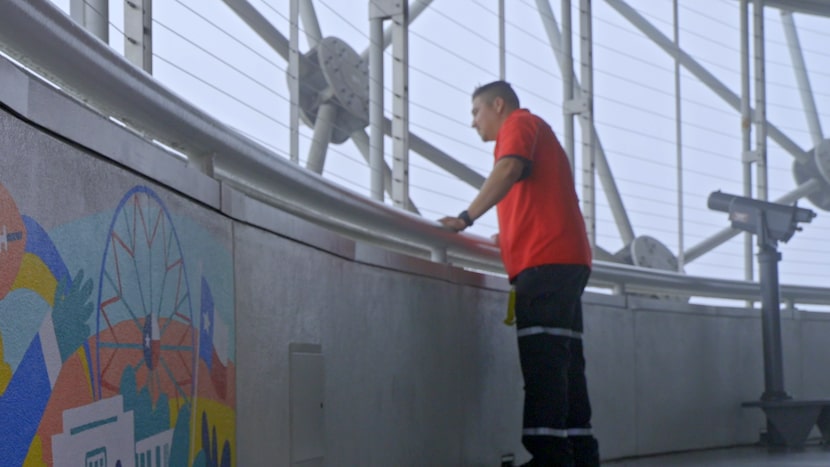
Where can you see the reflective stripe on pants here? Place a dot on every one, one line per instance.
(544, 431)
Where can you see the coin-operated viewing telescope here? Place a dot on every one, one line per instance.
(770, 221)
(788, 421)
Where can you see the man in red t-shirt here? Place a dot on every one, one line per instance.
(547, 257)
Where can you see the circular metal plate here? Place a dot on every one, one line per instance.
(333, 72)
(804, 172)
(648, 252)
(822, 158)
(347, 75)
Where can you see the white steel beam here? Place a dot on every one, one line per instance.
(702, 74)
(311, 25)
(760, 119)
(323, 127)
(416, 7)
(609, 185)
(361, 140)
(800, 69)
(746, 132)
(502, 44)
(589, 206)
(400, 108)
(440, 158)
(566, 64)
(811, 7)
(93, 15)
(138, 33)
(678, 122)
(260, 25)
(376, 159)
(378, 41)
(294, 81)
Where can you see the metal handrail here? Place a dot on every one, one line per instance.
(42, 37)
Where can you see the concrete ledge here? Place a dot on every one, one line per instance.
(44, 106)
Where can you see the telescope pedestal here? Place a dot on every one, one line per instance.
(789, 421)
(768, 258)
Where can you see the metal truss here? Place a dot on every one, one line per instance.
(338, 92)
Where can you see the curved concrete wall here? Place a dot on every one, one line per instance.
(300, 347)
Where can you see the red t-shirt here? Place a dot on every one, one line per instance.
(539, 218)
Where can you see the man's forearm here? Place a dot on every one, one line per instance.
(505, 173)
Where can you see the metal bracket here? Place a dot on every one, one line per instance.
(385, 9)
(576, 106)
(750, 156)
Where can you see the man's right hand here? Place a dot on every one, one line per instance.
(453, 223)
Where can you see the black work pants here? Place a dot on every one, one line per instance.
(557, 412)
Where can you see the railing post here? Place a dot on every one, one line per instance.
(398, 12)
(138, 32)
(93, 15)
(746, 133)
(588, 137)
(400, 107)
(567, 65)
(439, 255)
(294, 81)
(376, 160)
(760, 103)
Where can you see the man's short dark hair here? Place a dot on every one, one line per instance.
(496, 89)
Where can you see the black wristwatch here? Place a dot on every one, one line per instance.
(465, 216)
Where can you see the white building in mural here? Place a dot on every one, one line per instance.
(154, 451)
(100, 434)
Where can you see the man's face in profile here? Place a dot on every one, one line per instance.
(486, 116)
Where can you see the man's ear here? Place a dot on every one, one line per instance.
(498, 104)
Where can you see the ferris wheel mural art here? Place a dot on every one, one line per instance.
(144, 312)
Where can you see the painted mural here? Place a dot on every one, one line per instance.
(116, 349)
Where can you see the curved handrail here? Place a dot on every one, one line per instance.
(42, 37)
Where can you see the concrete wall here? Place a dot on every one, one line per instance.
(342, 353)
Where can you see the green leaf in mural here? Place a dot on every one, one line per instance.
(71, 311)
(200, 460)
(180, 445)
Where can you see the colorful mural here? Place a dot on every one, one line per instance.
(128, 360)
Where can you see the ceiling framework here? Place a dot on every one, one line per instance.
(338, 92)
(811, 7)
(321, 108)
